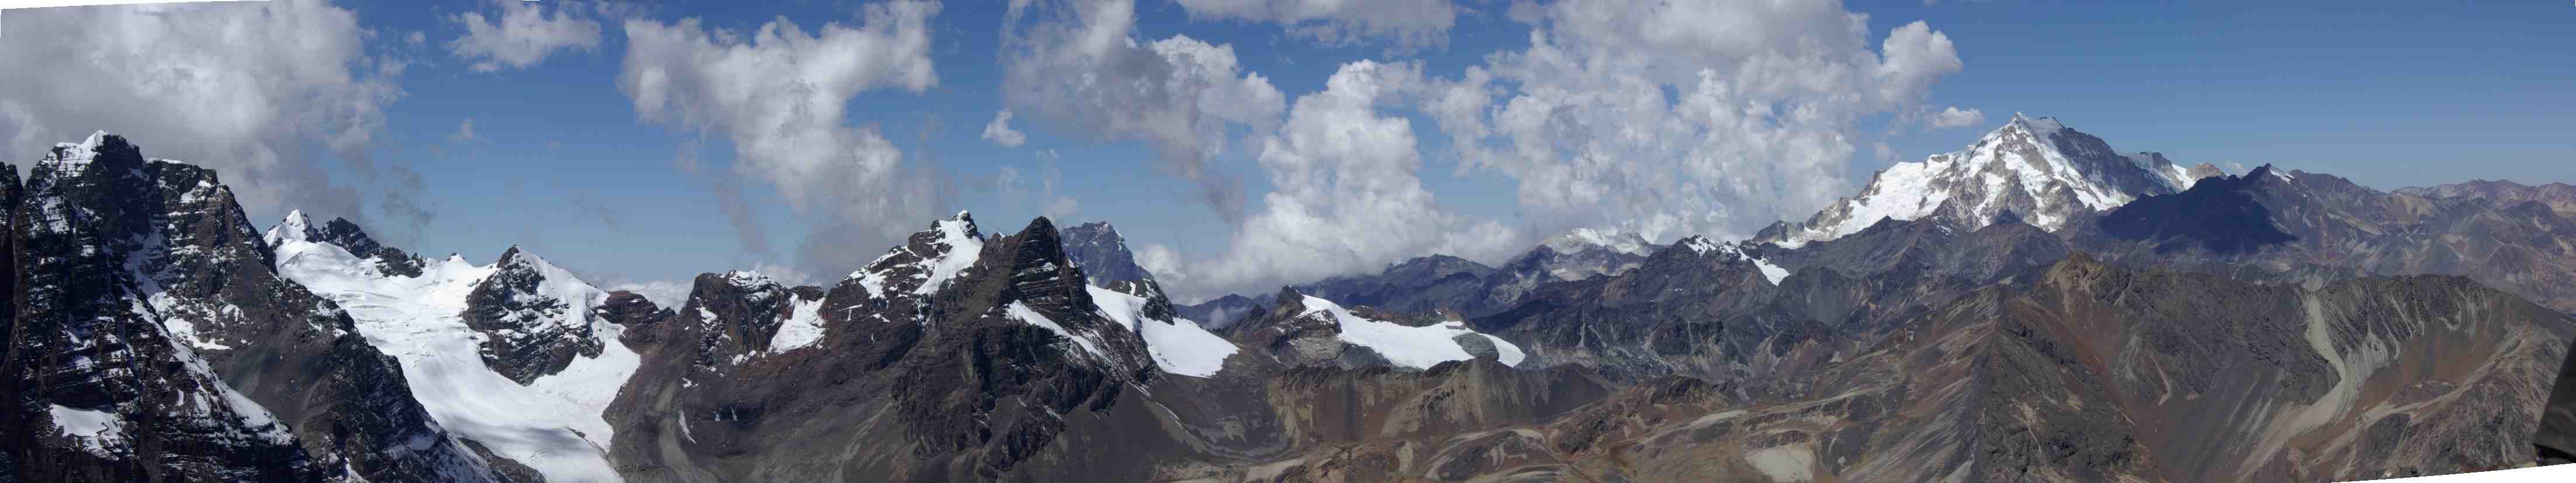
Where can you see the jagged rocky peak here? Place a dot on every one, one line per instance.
(341, 232)
(631, 309)
(1724, 252)
(2035, 167)
(537, 316)
(1222, 313)
(926, 262)
(1102, 253)
(744, 313)
(1042, 276)
(99, 387)
(158, 342)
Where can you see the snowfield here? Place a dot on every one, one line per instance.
(1414, 347)
(1179, 345)
(553, 424)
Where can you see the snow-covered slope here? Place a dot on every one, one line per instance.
(1414, 347)
(927, 261)
(1703, 246)
(552, 424)
(1179, 345)
(2035, 168)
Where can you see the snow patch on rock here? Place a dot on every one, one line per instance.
(1021, 312)
(1414, 347)
(99, 432)
(803, 327)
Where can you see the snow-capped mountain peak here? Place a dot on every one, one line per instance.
(74, 157)
(2035, 167)
(507, 354)
(294, 228)
(1703, 246)
(927, 260)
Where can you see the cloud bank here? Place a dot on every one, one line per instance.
(1078, 66)
(523, 36)
(780, 96)
(243, 88)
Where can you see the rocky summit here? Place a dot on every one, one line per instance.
(2035, 307)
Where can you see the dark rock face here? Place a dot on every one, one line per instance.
(531, 329)
(1418, 285)
(739, 313)
(153, 342)
(347, 236)
(631, 309)
(2555, 443)
(2216, 215)
(1102, 253)
(1671, 313)
(952, 358)
(1290, 335)
(1545, 264)
(1222, 313)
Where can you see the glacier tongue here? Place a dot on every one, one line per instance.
(553, 424)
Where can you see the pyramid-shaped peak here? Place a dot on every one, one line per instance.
(750, 279)
(2041, 128)
(67, 159)
(961, 225)
(295, 227)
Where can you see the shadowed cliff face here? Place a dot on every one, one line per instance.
(151, 339)
(2215, 215)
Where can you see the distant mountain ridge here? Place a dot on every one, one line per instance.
(2270, 326)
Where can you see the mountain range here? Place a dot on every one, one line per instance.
(2034, 307)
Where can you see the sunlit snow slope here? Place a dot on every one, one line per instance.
(552, 424)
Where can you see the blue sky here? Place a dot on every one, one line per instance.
(564, 160)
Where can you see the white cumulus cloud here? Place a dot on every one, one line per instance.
(999, 131)
(1679, 118)
(1077, 65)
(239, 87)
(522, 36)
(780, 95)
(1347, 199)
(1952, 116)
